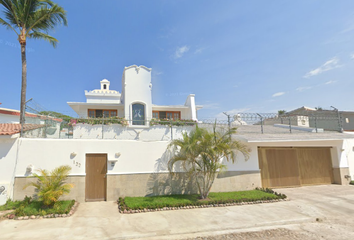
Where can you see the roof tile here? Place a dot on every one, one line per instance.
(13, 128)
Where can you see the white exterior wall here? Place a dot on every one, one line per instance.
(135, 156)
(190, 102)
(106, 98)
(117, 131)
(303, 121)
(82, 110)
(8, 150)
(136, 85)
(6, 118)
(348, 155)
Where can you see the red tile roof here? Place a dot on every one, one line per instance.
(13, 128)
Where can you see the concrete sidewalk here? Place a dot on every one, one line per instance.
(101, 220)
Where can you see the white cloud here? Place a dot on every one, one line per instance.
(231, 112)
(200, 50)
(352, 56)
(211, 106)
(180, 51)
(158, 73)
(278, 94)
(348, 29)
(301, 89)
(329, 65)
(330, 82)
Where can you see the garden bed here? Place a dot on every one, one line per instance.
(175, 202)
(31, 209)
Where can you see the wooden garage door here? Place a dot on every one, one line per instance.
(96, 170)
(291, 167)
(315, 166)
(279, 167)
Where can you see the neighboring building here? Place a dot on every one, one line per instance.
(13, 116)
(46, 126)
(134, 103)
(326, 119)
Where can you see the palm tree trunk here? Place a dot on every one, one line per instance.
(23, 86)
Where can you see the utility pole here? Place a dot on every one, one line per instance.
(23, 122)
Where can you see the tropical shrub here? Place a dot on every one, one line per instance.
(51, 185)
(201, 152)
(100, 121)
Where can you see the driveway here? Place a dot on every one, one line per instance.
(331, 205)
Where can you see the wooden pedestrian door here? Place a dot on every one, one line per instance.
(291, 167)
(96, 180)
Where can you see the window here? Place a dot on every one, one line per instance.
(166, 115)
(162, 115)
(138, 112)
(99, 113)
(91, 113)
(104, 86)
(106, 113)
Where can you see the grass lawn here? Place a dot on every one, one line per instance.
(29, 207)
(135, 203)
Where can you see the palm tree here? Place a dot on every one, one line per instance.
(51, 185)
(201, 153)
(31, 19)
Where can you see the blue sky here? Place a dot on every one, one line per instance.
(250, 56)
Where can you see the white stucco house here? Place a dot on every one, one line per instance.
(111, 161)
(134, 103)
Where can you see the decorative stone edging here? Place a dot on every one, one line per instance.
(72, 211)
(201, 206)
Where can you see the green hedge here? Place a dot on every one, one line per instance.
(154, 202)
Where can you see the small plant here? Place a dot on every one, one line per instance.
(352, 182)
(171, 122)
(26, 201)
(51, 185)
(20, 211)
(268, 190)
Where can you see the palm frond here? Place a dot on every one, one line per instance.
(51, 185)
(46, 18)
(201, 152)
(11, 11)
(39, 35)
(7, 25)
